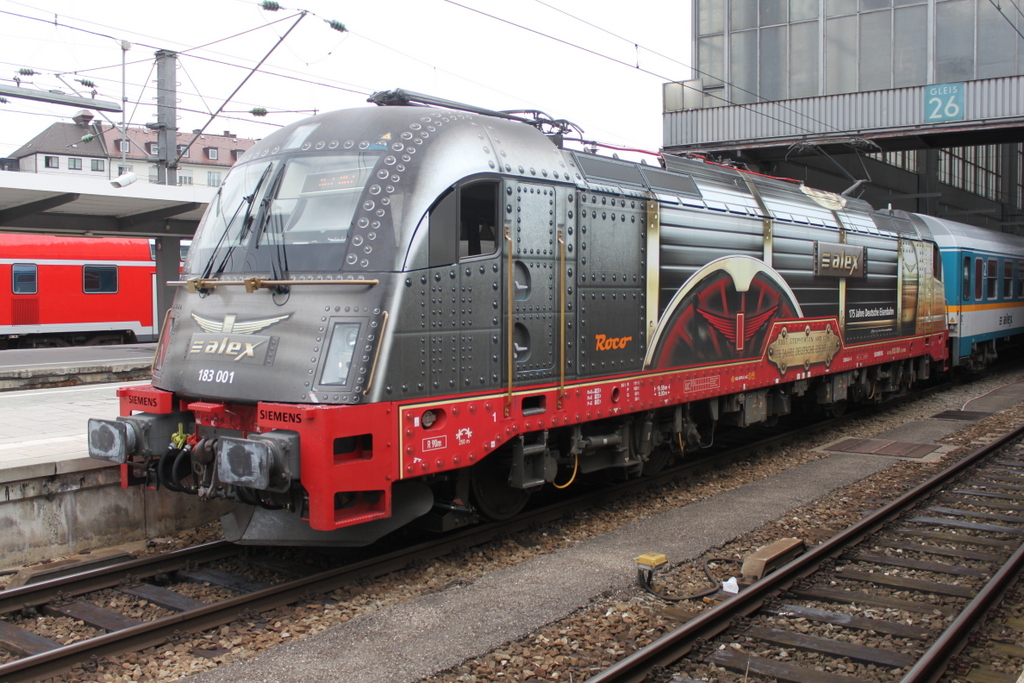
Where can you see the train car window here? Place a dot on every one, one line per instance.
(1020, 279)
(1007, 279)
(464, 224)
(24, 278)
(979, 279)
(99, 279)
(992, 279)
(967, 278)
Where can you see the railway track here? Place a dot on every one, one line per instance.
(895, 595)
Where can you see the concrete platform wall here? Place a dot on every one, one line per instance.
(85, 509)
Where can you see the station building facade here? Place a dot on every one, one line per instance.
(922, 99)
(107, 153)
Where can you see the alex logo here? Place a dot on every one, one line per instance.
(606, 343)
(232, 340)
(225, 346)
(838, 260)
(842, 261)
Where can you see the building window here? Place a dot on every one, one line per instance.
(99, 165)
(99, 279)
(125, 146)
(213, 178)
(184, 176)
(183, 151)
(51, 162)
(75, 164)
(211, 153)
(153, 148)
(23, 278)
(973, 169)
(121, 170)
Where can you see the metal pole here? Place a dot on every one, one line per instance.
(166, 117)
(125, 46)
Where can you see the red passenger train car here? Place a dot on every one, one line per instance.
(63, 291)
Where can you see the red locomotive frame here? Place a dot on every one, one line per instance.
(390, 442)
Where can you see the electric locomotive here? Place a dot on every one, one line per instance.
(412, 313)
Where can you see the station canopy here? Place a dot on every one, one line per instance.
(62, 204)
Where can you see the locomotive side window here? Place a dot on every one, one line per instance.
(936, 262)
(23, 278)
(992, 279)
(99, 279)
(464, 223)
(443, 222)
(478, 219)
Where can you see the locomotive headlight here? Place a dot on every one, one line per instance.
(339, 353)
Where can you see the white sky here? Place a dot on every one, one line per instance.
(435, 47)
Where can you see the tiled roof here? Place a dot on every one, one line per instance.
(63, 138)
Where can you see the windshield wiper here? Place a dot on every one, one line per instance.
(246, 225)
(278, 258)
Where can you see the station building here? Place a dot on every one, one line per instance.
(910, 104)
(107, 153)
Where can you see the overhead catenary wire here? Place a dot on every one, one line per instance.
(1008, 20)
(682, 64)
(630, 66)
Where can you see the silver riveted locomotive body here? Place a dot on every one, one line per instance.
(413, 313)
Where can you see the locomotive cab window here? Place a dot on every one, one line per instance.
(99, 279)
(464, 223)
(23, 278)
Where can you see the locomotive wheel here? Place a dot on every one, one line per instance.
(492, 495)
(656, 461)
(837, 409)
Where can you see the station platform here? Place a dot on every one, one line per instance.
(53, 367)
(54, 498)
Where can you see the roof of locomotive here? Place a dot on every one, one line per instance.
(425, 150)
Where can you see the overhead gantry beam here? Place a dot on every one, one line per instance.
(138, 220)
(22, 211)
